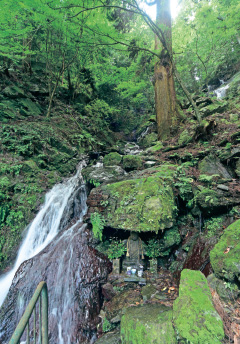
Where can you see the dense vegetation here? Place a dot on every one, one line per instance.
(82, 79)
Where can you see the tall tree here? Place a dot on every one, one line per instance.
(165, 96)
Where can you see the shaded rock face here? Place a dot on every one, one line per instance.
(74, 272)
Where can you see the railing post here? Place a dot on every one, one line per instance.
(40, 294)
(44, 296)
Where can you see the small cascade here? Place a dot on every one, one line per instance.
(221, 91)
(132, 148)
(72, 269)
(48, 222)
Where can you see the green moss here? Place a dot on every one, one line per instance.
(112, 159)
(143, 204)
(195, 318)
(185, 137)
(225, 256)
(148, 140)
(148, 324)
(131, 162)
(156, 147)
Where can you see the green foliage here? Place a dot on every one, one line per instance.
(116, 249)
(107, 326)
(98, 223)
(153, 248)
(213, 226)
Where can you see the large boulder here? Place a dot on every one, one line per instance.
(225, 257)
(112, 159)
(214, 201)
(195, 318)
(150, 323)
(143, 204)
(211, 165)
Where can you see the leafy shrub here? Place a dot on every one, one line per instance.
(116, 249)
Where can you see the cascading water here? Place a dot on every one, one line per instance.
(44, 227)
(73, 270)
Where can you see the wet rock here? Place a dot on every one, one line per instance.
(195, 318)
(143, 204)
(225, 256)
(150, 323)
(211, 165)
(74, 272)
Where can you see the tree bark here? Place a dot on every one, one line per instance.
(165, 96)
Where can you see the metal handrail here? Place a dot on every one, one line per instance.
(40, 294)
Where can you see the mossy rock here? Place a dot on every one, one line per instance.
(155, 148)
(143, 204)
(131, 162)
(216, 107)
(226, 290)
(148, 140)
(225, 256)
(195, 318)
(185, 137)
(211, 201)
(211, 165)
(171, 237)
(148, 324)
(112, 159)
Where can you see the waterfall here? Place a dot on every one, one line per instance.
(221, 91)
(52, 217)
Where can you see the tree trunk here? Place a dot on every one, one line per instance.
(165, 96)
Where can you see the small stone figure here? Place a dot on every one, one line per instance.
(135, 254)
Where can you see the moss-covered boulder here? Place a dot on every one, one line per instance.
(195, 318)
(146, 203)
(148, 140)
(217, 107)
(225, 256)
(211, 165)
(226, 290)
(112, 159)
(131, 162)
(211, 201)
(148, 324)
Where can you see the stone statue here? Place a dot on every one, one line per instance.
(135, 253)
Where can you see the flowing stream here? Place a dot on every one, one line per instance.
(52, 217)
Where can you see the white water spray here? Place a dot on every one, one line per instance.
(44, 227)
